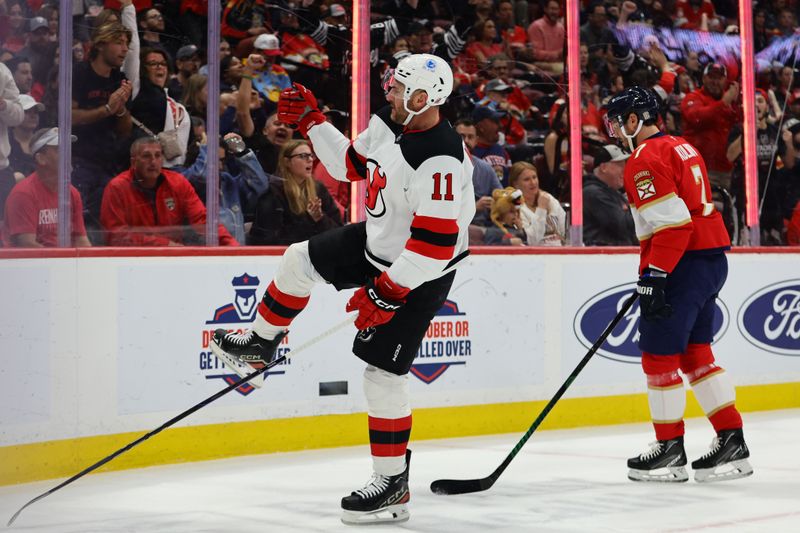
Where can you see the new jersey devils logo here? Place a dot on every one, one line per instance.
(377, 181)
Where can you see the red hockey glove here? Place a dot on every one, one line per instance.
(377, 301)
(297, 106)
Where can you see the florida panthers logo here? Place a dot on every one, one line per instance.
(377, 182)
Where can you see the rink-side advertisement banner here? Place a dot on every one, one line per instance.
(108, 345)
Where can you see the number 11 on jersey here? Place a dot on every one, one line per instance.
(437, 187)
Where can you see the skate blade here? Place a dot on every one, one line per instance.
(671, 474)
(392, 513)
(733, 470)
(242, 369)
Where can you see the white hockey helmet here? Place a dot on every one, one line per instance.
(424, 72)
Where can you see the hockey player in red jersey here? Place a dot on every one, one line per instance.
(419, 203)
(682, 269)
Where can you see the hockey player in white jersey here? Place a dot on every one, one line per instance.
(419, 203)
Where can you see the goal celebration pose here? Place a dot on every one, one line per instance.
(419, 203)
(682, 269)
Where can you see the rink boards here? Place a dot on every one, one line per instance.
(101, 348)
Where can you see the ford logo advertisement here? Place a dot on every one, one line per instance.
(770, 318)
(621, 345)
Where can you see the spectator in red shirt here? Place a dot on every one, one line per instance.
(148, 205)
(484, 45)
(515, 36)
(708, 115)
(546, 36)
(689, 15)
(31, 215)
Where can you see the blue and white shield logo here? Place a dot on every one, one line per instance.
(770, 318)
(622, 343)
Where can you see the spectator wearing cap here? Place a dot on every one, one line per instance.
(607, 219)
(337, 15)
(11, 114)
(100, 118)
(151, 32)
(269, 78)
(31, 216)
(148, 205)
(187, 64)
(546, 36)
(488, 146)
(496, 96)
(793, 105)
(40, 49)
(506, 228)
(20, 157)
(543, 218)
(484, 178)
(500, 67)
(708, 114)
(776, 158)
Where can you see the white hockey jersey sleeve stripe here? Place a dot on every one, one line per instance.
(666, 212)
(331, 147)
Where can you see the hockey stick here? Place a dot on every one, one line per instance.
(464, 486)
(189, 411)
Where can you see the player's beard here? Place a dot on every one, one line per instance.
(398, 115)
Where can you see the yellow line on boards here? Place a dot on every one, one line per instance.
(62, 458)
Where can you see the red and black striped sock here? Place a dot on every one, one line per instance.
(277, 310)
(388, 439)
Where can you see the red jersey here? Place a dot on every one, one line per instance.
(667, 186)
(133, 217)
(33, 208)
(684, 9)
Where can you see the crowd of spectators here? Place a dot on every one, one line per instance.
(140, 101)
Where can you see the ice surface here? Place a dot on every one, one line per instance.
(571, 480)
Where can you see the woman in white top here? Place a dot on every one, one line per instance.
(543, 218)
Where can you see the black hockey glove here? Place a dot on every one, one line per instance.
(652, 300)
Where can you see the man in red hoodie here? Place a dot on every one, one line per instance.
(148, 205)
(709, 113)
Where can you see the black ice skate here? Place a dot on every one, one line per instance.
(245, 353)
(383, 499)
(727, 458)
(664, 462)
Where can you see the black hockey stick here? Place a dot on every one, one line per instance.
(465, 486)
(187, 412)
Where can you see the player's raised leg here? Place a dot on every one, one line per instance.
(384, 497)
(727, 458)
(665, 461)
(286, 296)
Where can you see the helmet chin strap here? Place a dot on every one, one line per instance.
(412, 114)
(631, 138)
